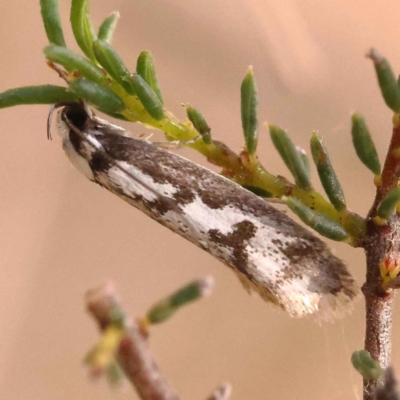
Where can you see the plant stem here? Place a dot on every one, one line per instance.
(133, 354)
(379, 308)
(381, 243)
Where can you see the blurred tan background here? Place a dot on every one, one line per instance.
(61, 235)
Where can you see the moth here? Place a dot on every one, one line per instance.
(270, 253)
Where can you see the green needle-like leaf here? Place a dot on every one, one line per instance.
(199, 122)
(82, 26)
(326, 173)
(306, 162)
(145, 68)
(291, 156)
(74, 62)
(107, 28)
(317, 221)
(388, 205)
(98, 95)
(43, 94)
(363, 144)
(249, 105)
(167, 307)
(387, 80)
(52, 22)
(112, 63)
(147, 96)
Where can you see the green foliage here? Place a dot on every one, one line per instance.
(306, 161)
(249, 104)
(74, 62)
(82, 26)
(166, 308)
(386, 79)
(145, 68)
(363, 144)
(199, 122)
(327, 175)
(291, 156)
(107, 28)
(148, 97)
(317, 221)
(112, 63)
(52, 22)
(42, 94)
(101, 97)
(366, 365)
(387, 206)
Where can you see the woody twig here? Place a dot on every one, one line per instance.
(124, 341)
(133, 353)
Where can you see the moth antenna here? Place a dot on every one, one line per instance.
(49, 118)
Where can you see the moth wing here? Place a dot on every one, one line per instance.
(271, 254)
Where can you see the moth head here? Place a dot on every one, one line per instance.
(73, 120)
(71, 115)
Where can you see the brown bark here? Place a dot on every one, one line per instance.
(381, 243)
